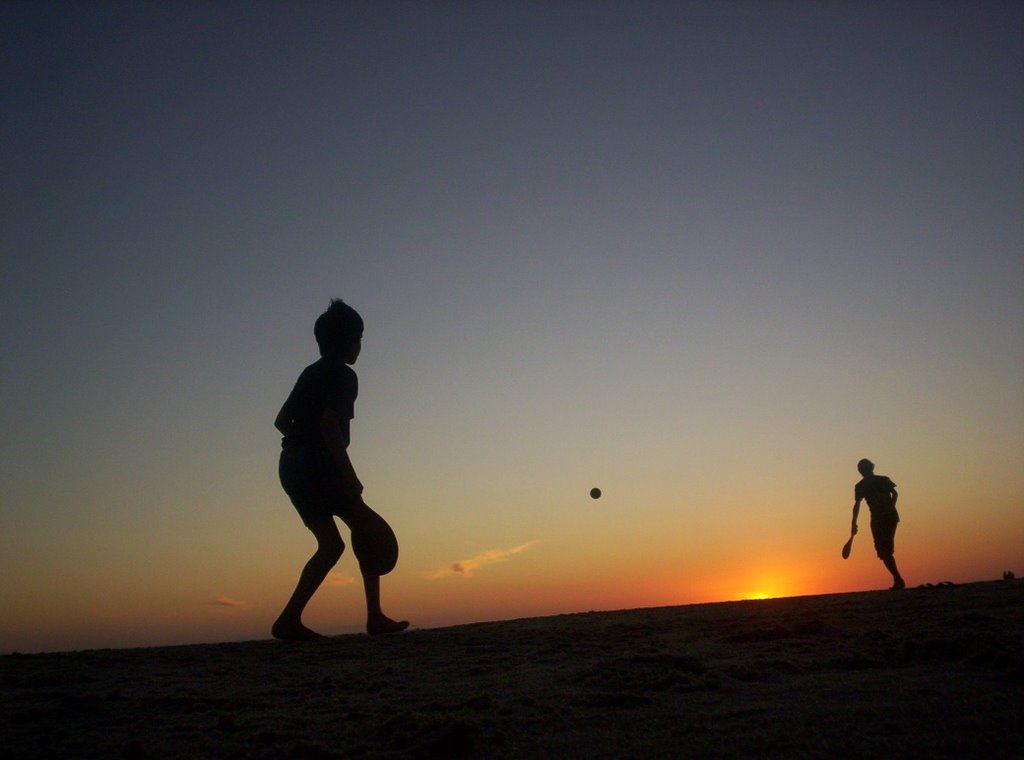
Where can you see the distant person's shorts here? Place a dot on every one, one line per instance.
(312, 482)
(883, 530)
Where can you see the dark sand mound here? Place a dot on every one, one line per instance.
(923, 672)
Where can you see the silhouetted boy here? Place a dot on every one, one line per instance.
(316, 471)
(880, 494)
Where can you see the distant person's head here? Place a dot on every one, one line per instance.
(866, 467)
(339, 332)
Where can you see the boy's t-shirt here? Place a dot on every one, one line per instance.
(876, 491)
(325, 384)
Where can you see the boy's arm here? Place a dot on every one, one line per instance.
(330, 429)
(856, 512)
(283, 421)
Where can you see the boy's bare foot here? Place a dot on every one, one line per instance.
(286, 631)
(384, 624)
(898, 585)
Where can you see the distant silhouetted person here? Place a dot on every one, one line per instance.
(880, 494)
(319, 478)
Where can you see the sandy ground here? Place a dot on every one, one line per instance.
(921, 673)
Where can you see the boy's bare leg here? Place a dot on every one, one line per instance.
(376, 621)
(329, 547)
(897, 579)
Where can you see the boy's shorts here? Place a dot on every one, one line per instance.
(312, 482)
(884, 533)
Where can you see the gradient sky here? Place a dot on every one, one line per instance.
(704, 256)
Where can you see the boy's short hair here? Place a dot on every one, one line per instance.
(865, 467)
(337, 328)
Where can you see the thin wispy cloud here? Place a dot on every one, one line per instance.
(336, 579)
(466, 567)
(227, 601)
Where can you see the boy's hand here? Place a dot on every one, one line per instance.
(853, 529)
(355, 489)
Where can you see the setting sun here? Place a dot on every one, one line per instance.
(769, 586)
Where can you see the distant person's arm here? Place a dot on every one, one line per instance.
(330, 429)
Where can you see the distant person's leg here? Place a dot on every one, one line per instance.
(897, 579)
(884, 534)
